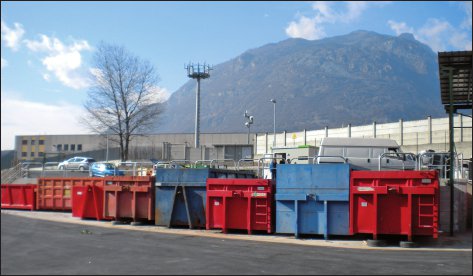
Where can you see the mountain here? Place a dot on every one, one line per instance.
(356, 78)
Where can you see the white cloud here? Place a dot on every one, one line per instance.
(12, 37)
(157, 94)
(4, 63)
(313, 27)
(440, 35)
(305, 28)
(41, 119)
(44, 44)
(355, 9)
(466, 24)
(400, 27)
(64, 61)
(460, 41)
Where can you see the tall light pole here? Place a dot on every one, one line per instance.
(274, 131)
(248, 123)
(197, 72)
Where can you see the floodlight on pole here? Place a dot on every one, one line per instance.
(248, 123)
(199, 71)
(274, 121)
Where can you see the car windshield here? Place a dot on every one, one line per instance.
(90, 160)
(109, 166)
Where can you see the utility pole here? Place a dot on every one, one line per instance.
(274, 118)
(197, 72)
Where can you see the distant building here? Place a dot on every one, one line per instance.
(143, 147)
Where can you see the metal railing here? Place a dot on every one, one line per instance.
(440, 161)
(11, 174)
(317, 157)
(246, 160)
(196, 163)
(139, 168)
(303, 158)
(261, 161)
(179, 162)
(218, 161)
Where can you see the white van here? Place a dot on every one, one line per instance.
(364, 153)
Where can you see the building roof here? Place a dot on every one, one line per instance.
(460, 64)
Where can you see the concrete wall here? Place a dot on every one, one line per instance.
(461, 206)
(412, 136)
(150, 145)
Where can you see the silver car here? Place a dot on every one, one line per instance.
(76, 163)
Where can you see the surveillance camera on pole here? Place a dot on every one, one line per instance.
(248, 123)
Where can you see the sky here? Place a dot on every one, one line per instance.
(47, 47)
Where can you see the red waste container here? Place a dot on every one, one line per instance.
(394, 202)
(239, 204)
(129, 197)
(54, 193)
(87, 202)
(18, 196)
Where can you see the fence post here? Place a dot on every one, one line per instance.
(429, 122)
(284, 138)
(401, 128)
(255, 147)
(266, 143)
(305, 137)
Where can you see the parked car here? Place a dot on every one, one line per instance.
(104, 169)
(76, 163)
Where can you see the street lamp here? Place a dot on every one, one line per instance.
(274, 131)
(248, 123)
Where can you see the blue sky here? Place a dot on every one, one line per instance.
(46, 47)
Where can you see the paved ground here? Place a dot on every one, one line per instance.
(59, 244)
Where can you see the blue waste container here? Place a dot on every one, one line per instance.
(181, 194)
(313, 199)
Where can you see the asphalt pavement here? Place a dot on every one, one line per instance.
(68, 245)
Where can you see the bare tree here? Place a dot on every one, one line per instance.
(124, 99)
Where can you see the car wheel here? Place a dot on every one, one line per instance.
(81, 169)
(61, 167)
(408, 244)
(376, 243)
